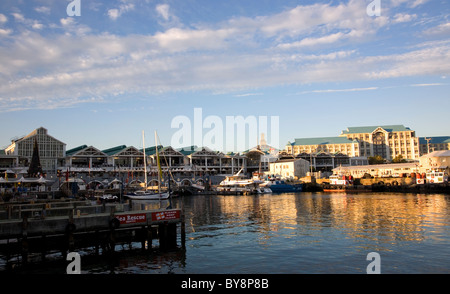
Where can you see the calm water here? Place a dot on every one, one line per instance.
(301, 233)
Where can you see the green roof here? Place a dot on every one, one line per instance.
(322, 141)
(75, 150)
(370, 129)
(114, 150)
(188, 150)
(152, 150)
(435, 140)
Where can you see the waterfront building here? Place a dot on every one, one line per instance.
(388, 141)
(436, 160)
(169, 158)
(325, 162)
(379, 170)
(205, 159)
(85, 158)
(51, 150)
(259, 157)
(125, 157)
(325, 144)
(293, 168)
(430, 144)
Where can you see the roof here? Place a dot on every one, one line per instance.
(187, 150)
(435, 140)
(38, 131)
(442, 153)
(114, 150)
(151, 150)
(75, 150)
(322, 141)
(370, 129)
(377, 166)
(289, 160)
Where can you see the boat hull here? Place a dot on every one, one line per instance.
(156, 196)
(285, 188)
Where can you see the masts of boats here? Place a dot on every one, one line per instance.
(145, 194)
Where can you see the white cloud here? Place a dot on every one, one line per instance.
(341, 90)
(442, 29)
(43, 9)
(403, 17)
(3, 18)
(18, 16)
(308, 42)
(5, 32)
(410, 3)
(241, 54)
(115, 13)
(163, 10)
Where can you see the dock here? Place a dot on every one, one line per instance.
(42, 228)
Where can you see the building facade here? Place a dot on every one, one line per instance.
(289, 168)
(388, 141)
(326, 144)
(51, 150)
(430, 144)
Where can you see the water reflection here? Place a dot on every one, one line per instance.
(296, 233)
(379, 218)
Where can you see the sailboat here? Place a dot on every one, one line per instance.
(145, 194)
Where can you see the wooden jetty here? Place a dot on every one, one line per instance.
(43, 228)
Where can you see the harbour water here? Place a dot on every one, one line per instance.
(297, 233)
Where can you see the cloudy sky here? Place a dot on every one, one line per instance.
(124, 66)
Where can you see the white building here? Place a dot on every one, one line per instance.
(437, 160)
(289, 168)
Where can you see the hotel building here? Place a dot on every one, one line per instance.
(430, 144)
(386, 141)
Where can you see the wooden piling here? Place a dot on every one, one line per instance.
(42, 233)
(24, 243)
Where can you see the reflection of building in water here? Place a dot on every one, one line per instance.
(387, 217)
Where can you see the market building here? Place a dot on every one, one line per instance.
(51, 150)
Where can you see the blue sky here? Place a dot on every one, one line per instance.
(124, 66)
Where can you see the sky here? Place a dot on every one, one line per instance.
(98, 73)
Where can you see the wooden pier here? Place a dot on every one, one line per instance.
(43, 228)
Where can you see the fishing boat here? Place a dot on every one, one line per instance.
(146, 194)
(342, 183)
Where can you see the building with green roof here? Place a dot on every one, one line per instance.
(430, 144)
(387, 141)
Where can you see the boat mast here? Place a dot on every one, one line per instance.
(145, 161)
(159, 164)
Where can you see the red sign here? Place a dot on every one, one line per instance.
(132, 218)
(165, 215)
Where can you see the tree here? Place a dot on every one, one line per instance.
(35, 167)
(398, 159)
(376, 159)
